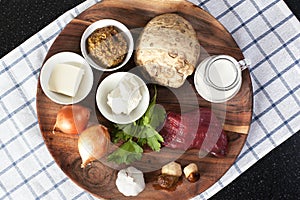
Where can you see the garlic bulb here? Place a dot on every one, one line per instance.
(130, 181)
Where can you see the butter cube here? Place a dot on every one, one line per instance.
(65, 79)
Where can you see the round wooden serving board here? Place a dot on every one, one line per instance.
(235, 115)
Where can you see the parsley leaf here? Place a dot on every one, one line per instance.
(157, 116)
(153, 142)
(139, 133)
(128, 152)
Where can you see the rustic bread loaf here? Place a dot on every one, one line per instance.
(168, 50)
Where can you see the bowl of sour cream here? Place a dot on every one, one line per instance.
(122, 97)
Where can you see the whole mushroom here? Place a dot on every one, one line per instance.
(191, 172)
(171, 173)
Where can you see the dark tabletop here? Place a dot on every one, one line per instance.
(276, 176)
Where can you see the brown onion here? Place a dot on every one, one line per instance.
(93, 143)
(72, 119)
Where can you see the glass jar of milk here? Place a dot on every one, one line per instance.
(218, 78)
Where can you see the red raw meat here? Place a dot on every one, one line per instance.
(199, 129)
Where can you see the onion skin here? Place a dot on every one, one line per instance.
(93, 143)
(72, 119)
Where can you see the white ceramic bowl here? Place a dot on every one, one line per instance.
(100, 24)
(67, 58)
(110, 83)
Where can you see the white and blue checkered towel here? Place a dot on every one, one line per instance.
(266, 31)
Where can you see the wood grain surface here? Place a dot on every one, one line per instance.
(235, 115)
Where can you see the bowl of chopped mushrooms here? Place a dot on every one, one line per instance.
(107, 45)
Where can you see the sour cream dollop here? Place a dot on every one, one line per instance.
(130, 181)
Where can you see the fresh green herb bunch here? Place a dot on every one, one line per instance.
(138, 134)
